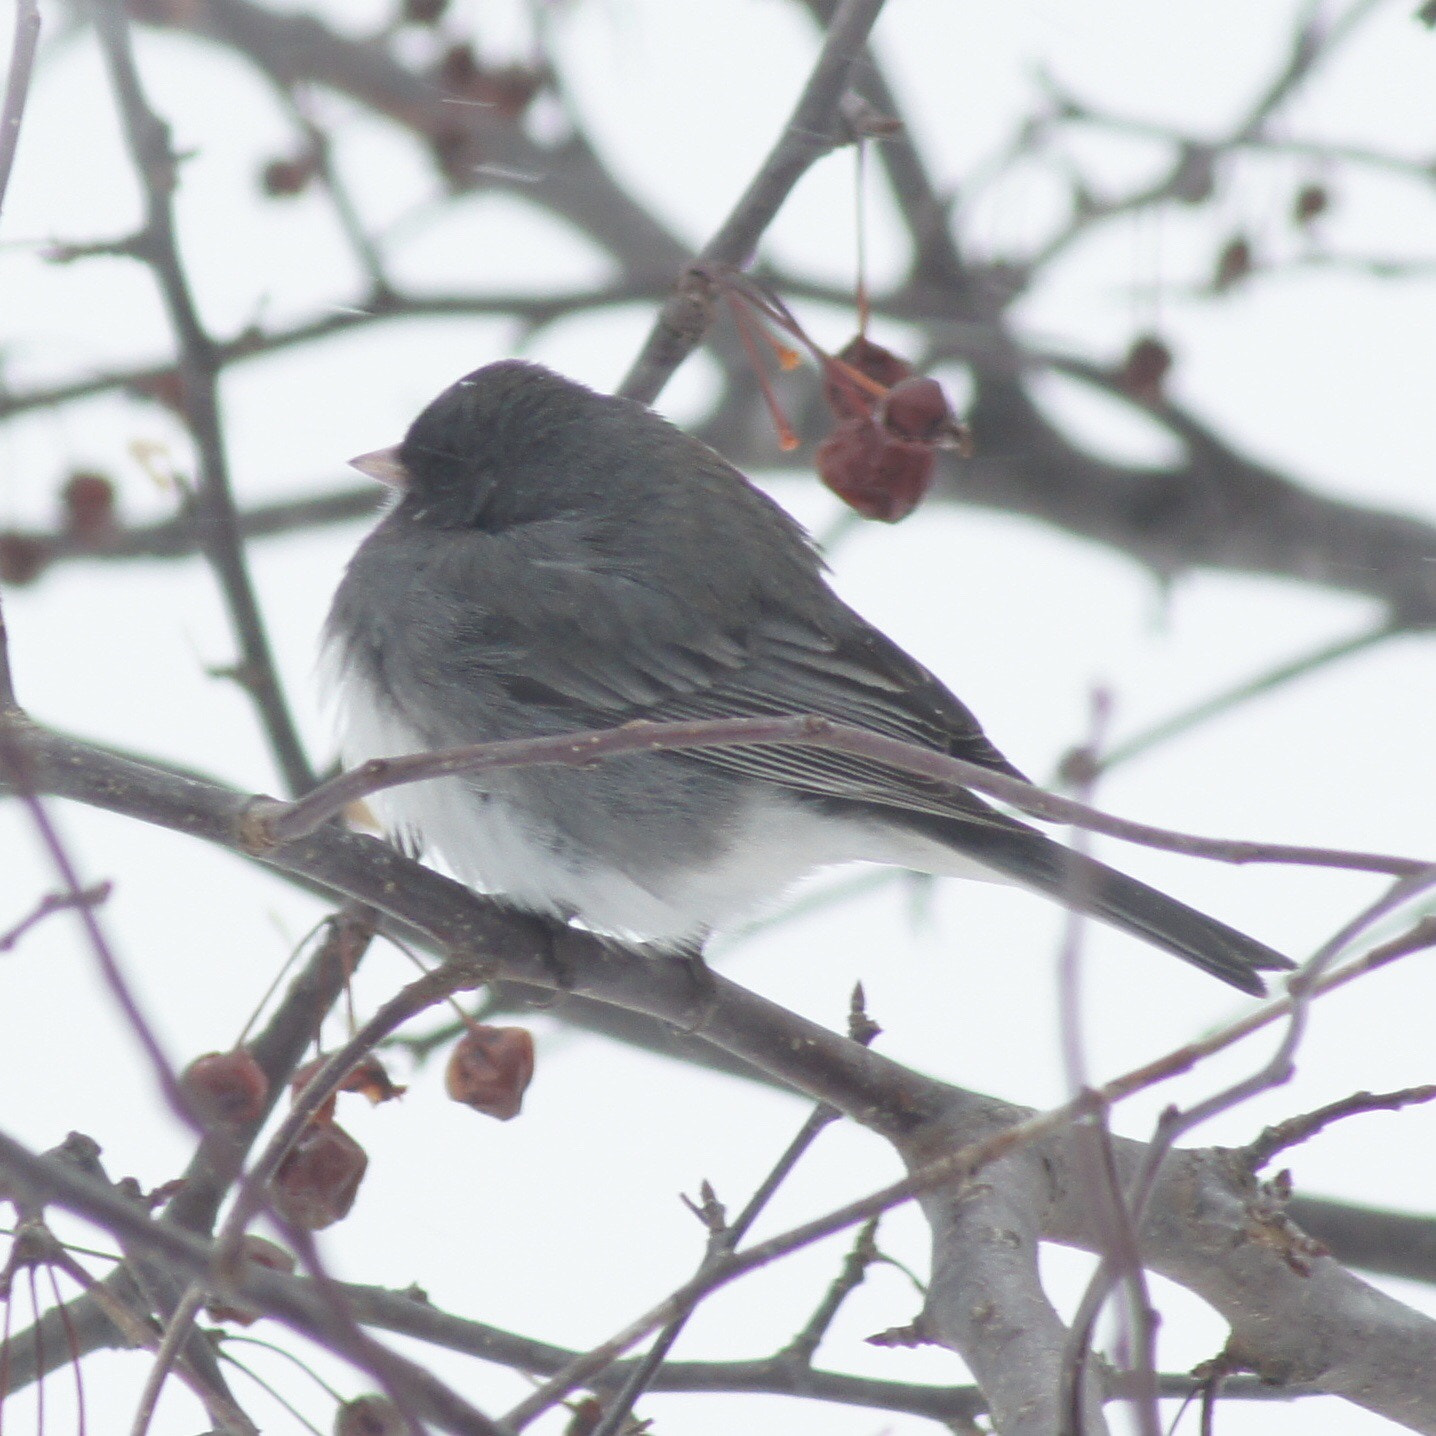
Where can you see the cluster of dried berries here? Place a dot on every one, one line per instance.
(1143, 373)
(490, 1069)
(882, 453)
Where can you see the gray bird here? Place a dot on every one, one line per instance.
(559, 560)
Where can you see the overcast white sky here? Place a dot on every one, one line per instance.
(566, 1223)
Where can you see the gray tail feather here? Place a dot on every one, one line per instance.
(1033, 860)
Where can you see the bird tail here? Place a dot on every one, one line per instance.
(1023, 855)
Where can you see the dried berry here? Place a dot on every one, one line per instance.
(916, 409)
(89, 505)
(459, 68)
(1233, 264)
(1145, 369)
(490, 1069)
(281, 178)
(319, 1177)
(424, 12)
(166, 387)
(585, 1414)
(370, 1416)
(1196, 179)
(368, 1075)
(226, 1089)
(850, 399)
(875, 472)
(1311, 202)
(506, 89)
(371, 1077)
(510, 89)
(22, 558)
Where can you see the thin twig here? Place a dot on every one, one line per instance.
(14, 768)
(292, 1302)
(1209, 708)
(17, 86)
(91, 896)
(1121, 1258)
(808, 135)
(199, 363)
(1121, 1261)
(419, 995)
(724, 1240)
(270, 823)
(176, 1334)
(861, 1255)
(12, 112)
(1312, 979)
(1311, 44)
(1294, 1130)
(72, 1345)
(139, 1330)
(955, 1167)
(345, 210)
(388, 1370)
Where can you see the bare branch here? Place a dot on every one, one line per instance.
(199, 365)
(91, 896)
(808, 135)
(43, 1180)
(12, 112)
(1284, 673)
(269, 822)
(1295, 1130)
(17, 86)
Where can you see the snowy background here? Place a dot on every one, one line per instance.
(566, 1223)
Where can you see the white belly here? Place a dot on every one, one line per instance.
(493, 847)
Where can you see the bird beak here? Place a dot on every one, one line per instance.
(384, 465)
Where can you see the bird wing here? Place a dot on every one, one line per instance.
(617, 646)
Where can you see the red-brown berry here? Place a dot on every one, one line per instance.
(22, 558)
(1234, 264)
(490, 1069)
(226, 1089)
(370, 1416)
(874, 472)
(88, 500)
(1145, 369)
(319, 1177)
(850, 399)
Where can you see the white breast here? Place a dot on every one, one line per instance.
(492, 846)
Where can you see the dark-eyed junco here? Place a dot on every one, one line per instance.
(559, 560)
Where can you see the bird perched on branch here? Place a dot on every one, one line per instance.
(558, 560)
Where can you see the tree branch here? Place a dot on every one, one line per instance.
(808, 135)
(199, 366)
